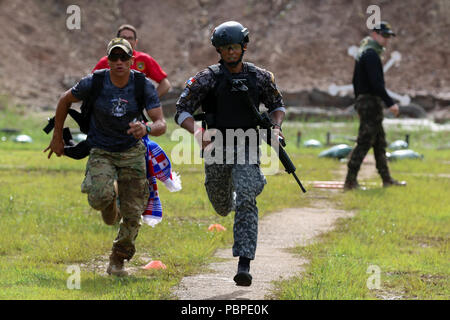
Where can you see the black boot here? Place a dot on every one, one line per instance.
(350, 180)
(243, 276)
(350, 185)
(392, 182)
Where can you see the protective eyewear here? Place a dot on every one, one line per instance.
(234, 47)
(116, 56)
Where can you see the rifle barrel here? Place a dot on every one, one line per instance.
(299, 183)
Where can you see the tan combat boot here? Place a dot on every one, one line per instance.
(116, 266)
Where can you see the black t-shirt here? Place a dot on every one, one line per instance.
(368, 77)
(114, 109)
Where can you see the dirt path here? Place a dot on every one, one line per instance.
(278, 232)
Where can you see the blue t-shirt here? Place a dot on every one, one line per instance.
(114, 109)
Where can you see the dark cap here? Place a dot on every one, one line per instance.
(384, 28)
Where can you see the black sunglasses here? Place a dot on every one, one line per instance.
(116, 56)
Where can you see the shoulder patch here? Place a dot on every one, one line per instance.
(190, 81)
(140, 65)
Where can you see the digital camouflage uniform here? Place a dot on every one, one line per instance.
(233, 186)
(129, 169)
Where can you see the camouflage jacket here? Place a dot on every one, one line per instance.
(198, 87)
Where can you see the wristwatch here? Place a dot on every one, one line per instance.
(148, 128)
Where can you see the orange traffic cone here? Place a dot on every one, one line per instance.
(216, 227)
(155, 264)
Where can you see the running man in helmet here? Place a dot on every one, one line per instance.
(232, 185)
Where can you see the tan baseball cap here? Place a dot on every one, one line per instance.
(120, 43)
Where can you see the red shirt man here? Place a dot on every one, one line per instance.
(142, 61)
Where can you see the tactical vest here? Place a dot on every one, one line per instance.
(226, 108)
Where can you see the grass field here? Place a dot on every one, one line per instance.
(403, 234)
(47, 225)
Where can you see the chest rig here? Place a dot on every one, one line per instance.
(225, 106)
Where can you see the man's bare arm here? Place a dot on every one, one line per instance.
(277, 118)
(159, 126)
(163, 87)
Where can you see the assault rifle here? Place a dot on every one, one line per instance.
(265, 122)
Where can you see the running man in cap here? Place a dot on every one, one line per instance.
(117, 149)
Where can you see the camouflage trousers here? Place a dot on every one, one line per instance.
(370, 134)
(129, 169)
(235, 187)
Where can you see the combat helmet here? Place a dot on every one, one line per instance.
(229, 32)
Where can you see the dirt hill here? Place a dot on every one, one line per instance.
(303, 42)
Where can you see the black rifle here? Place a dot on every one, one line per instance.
(50, 125)
(264, 121)
(79, 118)
(76, 151)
